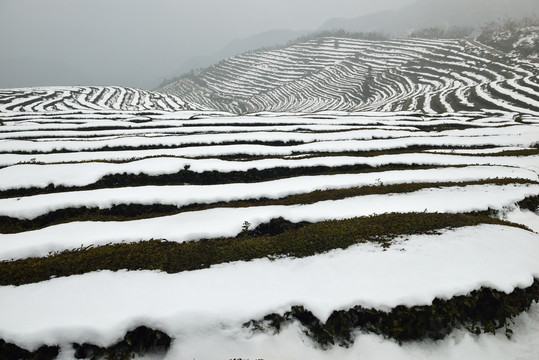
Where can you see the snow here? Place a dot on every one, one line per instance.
(100, 307)
(523, 134)
(524, 217)
(210, 145)
(189, 226)
(58, 99)
(81, 174)
(292, 344)
(32, 206)
(16, 132)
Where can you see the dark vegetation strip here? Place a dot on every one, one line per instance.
(304, 155)
(482, 311)
(278, 237)
(523, 152)
(91, 128)
(277, 143)
(511, 100)
(83, 136)
(124, 212)
(161, 146)
(419, 126)
(313, 154)
(214, 177)
(373, 153)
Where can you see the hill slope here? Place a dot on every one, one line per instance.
(338, 73)
(94, 98)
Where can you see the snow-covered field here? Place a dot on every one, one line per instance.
(203, 164)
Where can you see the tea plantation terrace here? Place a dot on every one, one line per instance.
(165, 230)
(335, 73)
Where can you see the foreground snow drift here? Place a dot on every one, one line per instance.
(100, 307)
(291, 344)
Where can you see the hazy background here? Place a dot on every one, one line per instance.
(139, 43)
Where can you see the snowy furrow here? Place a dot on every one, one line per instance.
(103, 100)
(81, 174)
(514, 83)
(515, 95)
(55, 98)
(83, 99)
(482, 91)
(32, 206)
(120, 98)
(191, 226)
(523, 134)
(170, 129)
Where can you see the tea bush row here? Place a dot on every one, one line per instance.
(279, 237)
(124, 212)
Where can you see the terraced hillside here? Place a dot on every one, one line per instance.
(332, 73)
(84, 98)
(215, 236)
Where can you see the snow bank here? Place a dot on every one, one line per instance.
(100, 307)
(524, 217)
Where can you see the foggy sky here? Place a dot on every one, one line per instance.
(136, 42)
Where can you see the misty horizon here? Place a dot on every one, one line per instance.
(138, 44)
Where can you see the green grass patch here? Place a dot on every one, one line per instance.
(276, 238)
(125, 212)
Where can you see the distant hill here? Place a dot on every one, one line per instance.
(344, 73)
(435, 13)
(513, 37)
(266, 39)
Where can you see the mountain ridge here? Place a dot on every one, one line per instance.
(434, 13)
